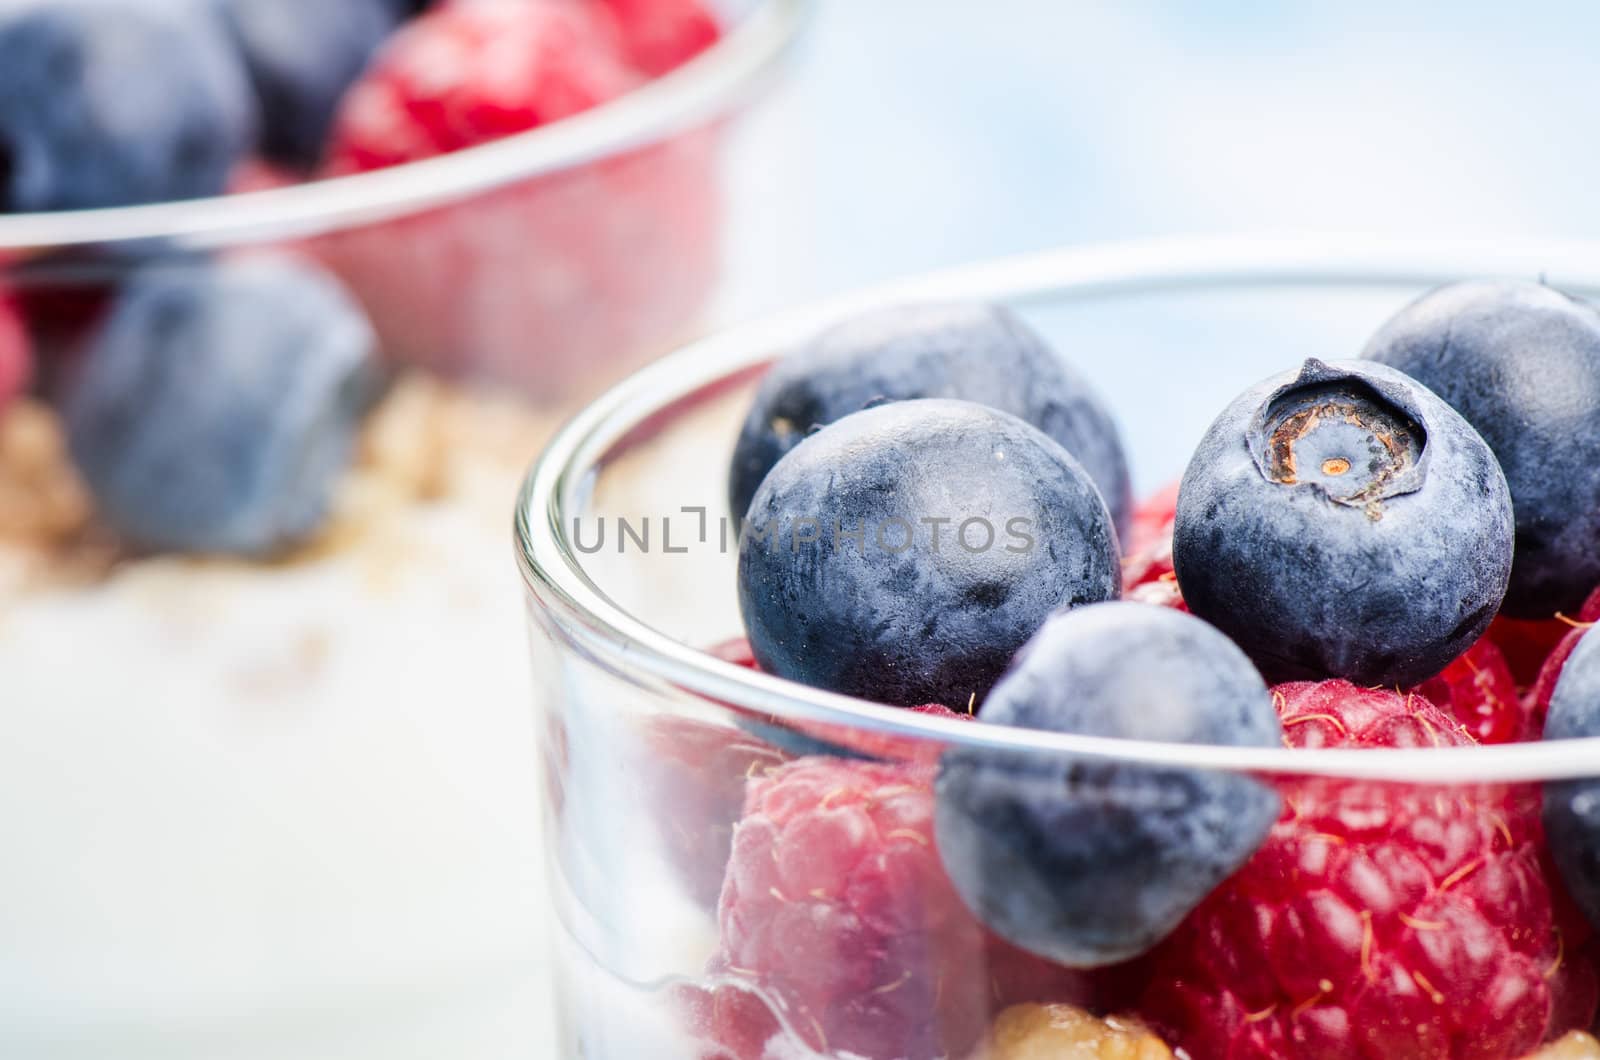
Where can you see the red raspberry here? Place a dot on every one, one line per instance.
(846, 738)
(257, 174)
(1147, 573)
(1478, 691)
(661, 35)
(699, 771)
(545, 281)
(466, 74)
(16, 357)
(1545, 685)
(1377, 920)
(736, 651)
(1528, 643)
(727, 1021)
(837, 908)
(1151, 521)
(63, 296)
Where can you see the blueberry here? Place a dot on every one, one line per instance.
(1522, 363)
(1342, 521)
(403, 9)
(904, 553)
(114, 102)
(218, 406)
(1572, 807)
(1091, 861)
(301, 56)
(973, 352)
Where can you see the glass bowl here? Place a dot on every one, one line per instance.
(552, 260)
(276, 807)
(650, 744)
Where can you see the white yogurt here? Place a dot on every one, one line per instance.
(280, 810)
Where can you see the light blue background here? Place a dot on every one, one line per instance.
(919, 133)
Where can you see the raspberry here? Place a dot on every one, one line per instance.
(661, 35)
(1478, 691)
(16, 359)
(697, 771)
(736, 651)
(727, 1021)
(257, 174)
(1147, 574)
(1377, 921)
(1544, 685)
(1151, 522)
(537, 282)
(470, 73)
(62, 297)
(1528, 643)
(816, 738)
(837, 909)
(1056, 1032)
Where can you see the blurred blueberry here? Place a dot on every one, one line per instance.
(904, 553)
(1572, 808)
(116, 102)
(301, 56)
(403, 9)
(1343, 521)
(218, 406)
(974, 352)
(1521, 362)
(1091, 861)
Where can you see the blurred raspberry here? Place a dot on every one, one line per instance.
(257, 174)
(1147, 573)
(1478, 691)
(737, 651)
(837, 908)
(694, 774)
(16, 356)
(1151, 522)
(467, 74)
(727, 1021)
(543, 283)
(62, 297)
(884, 747)
(818, 738)
(1377, 920)
(660, 35)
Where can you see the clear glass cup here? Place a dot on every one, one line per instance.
(650, 743)
(549, 261)
(274, 806)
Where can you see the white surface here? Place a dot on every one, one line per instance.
(292, 805)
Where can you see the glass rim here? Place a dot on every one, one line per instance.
(606, 632)
(704, 88)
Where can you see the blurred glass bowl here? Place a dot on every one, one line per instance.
(550, 260)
